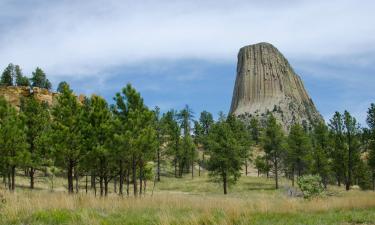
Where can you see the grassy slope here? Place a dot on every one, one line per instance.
(187, 201)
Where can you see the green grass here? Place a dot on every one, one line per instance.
(186, 201)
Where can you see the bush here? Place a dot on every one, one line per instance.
(311, 186)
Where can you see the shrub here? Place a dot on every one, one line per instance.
(311, 186)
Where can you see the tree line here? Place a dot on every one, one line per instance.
(127, 144)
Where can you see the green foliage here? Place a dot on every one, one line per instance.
(37, 121)
(67, 133)
(21, 80)
(298, 148)
(311, 186)
(7, 75)
(227, 151)
(255, 130)
(273, 144)
(13, 143)
(40, 80)
(320, 152)
(61, 86)
(261, 164)
(338, 151)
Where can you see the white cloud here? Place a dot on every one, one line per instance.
(88, 37)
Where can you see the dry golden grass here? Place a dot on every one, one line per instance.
(175, 201)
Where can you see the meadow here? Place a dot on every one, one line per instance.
(185, 201)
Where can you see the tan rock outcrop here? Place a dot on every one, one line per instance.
(14, 94)
(265, 82)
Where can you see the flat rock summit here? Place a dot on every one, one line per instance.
(265, 83)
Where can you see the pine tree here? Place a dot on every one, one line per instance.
(371, 157)
(298, 148)
(351, 132)
(100, 156)
(172, 131)
(7, 75)
(67, 133)
(255, 130)
(61, 86)
(37, 120)
(140, 130)
(40, 80)
(339, 158)
(227, 151)
(320, 152)
(13, 143)
(273, 141)
(189, 153)
(21, 80)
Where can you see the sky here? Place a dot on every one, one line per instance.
(185, 52)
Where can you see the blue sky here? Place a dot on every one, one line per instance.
(184, 52)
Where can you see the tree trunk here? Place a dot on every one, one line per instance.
(292, 177)
(101, 185)
(77, 181)
(140, 178)
(246, 166)
(144, 186)
(70, 177)
(31, 174)
(106, 185)
(134, 171)
(199, 168)
(175, 167)
(276, 174)
(86, 184)
(92, 180)
(127, 181)
(121, 188)
(13, 178)
(192, 169)
(225, 183)
(115, 184)
(9, 181)
(158, 172)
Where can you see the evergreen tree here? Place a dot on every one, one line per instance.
(37, 120)
(100, 126)
(298, 148)
(320, 153)
(351, 132)
(7, 75)
(67, 133)
(371, 155)
(339, 158)
(172, 132)
(140, 129)
(160, 140)
(227, 152)
(201, 130)
(40, 80)
(61, 86)
(261, 165)
(21, 80)
(13, 143)
(255, 130)
(189, 153)
(273, 141)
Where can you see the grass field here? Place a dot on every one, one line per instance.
(187, 201)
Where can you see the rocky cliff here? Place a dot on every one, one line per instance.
(265, 82)
(13, 94)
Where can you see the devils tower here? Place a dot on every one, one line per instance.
(265, 83)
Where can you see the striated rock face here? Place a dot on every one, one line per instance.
(14, 94)
(266, 83)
